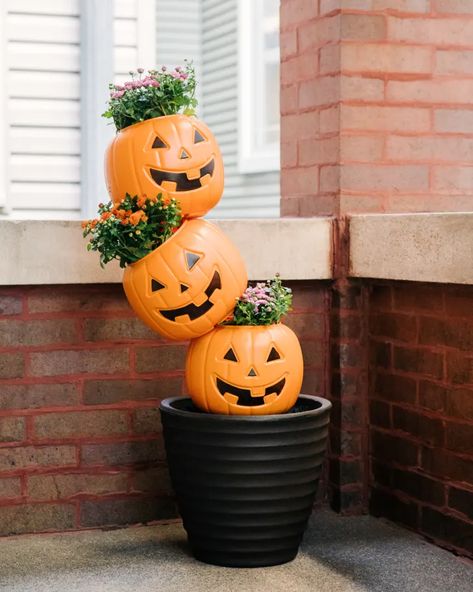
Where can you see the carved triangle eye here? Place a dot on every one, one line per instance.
(198, 137)
(155, 285)
(273, 355)
(191, 260)
(230, 356)
(158, 143)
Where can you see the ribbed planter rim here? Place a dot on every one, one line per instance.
(325, 405)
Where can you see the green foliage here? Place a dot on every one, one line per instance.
(262, 304)
(131, 230)
(159, 92)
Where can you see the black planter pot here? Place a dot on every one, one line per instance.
(245, 485)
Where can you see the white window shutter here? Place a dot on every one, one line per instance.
(43, 117)
(4, 148)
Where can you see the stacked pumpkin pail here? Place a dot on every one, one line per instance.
(245, 474)
(186, 287)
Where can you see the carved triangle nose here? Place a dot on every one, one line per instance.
(184, 287)
(252, 372)
(184, 154)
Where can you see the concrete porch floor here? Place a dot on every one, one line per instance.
(338, 554)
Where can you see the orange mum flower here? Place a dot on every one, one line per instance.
(137, 217)
(121, 214)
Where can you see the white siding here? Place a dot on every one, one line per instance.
(134, 36)
(178, 34)
(43, 94)
(206, 32)
(125, 38)
(43, 115)
(43, 97)
(245, 195)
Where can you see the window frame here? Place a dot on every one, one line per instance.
(251, 158)
(95, 77)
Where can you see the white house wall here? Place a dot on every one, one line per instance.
(178, 35)
(43, 95)
(246, 195)
(206, 31)
(43, 111)
(43, 106)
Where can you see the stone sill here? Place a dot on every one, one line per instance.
(427, 247)
(431, 247)
(54, 252)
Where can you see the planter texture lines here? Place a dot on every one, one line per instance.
(245, 485)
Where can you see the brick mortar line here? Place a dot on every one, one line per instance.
(73, 500)
(416, 375)
(423, 315)
(113, 314)
(438, 349)
(424, 412)
(460, 455)
(448, 482)
(58, 470)
(75, 378)
(406, 497)
(131, 405)
(89, 346)
(417, 441)
(83, 439)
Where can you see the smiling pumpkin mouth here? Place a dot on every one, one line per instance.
(183, 183)
(241, 396)
(192, 310)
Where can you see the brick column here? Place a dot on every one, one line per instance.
(310, 97)
(376, 106)
(375, 117)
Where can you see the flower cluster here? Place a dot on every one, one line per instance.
(152, 94)
(132, 229)
(262, 304)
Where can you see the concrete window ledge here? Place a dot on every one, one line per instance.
(417, 247)
(54, 252)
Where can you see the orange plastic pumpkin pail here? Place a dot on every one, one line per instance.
(189, 284)
(175, 155)
(245, 370)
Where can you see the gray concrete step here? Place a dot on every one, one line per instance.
(358, 554)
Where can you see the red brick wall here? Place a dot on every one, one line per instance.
(348, 487)
(421, 409)
(376, 106)
(80, 381)
(376, 117)
(310, 97)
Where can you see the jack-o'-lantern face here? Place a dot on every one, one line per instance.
(245, 370)
(175, 155)
(189, 284)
